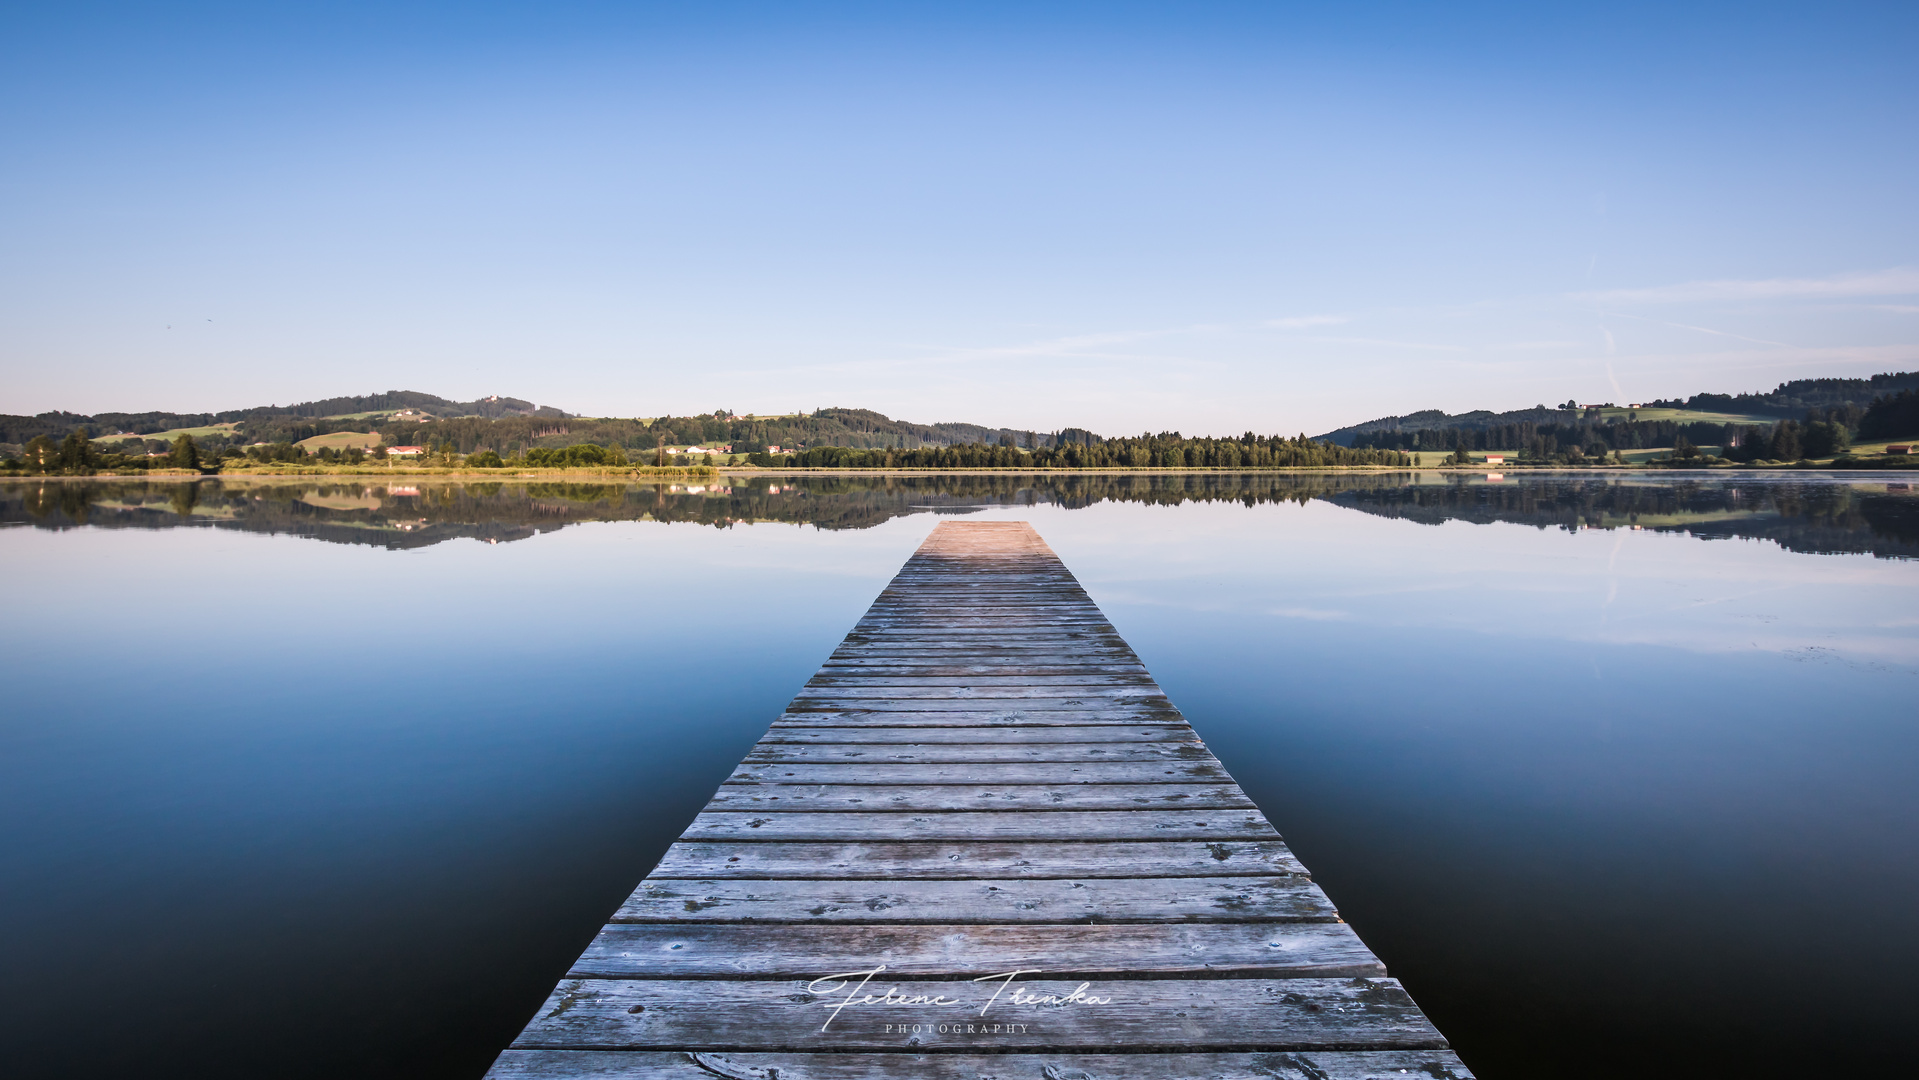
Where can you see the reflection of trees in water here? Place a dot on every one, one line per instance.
(1807, 515)
(1800, 514)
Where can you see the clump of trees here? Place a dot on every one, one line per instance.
(577, 456)
(284, 453)
(79, 455)
(1787, 440)
(1164, 451)
(1891, 416)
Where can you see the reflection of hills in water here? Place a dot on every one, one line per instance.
(1822, 515)
(1800, 513)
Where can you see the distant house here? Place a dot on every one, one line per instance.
(773, 450)
(1495, 459)
(405, 451)
(1900, 448)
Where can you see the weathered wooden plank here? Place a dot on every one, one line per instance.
(1007, 609)
(972, 773)
(1091, 733)
(1010, 677)
(1008, 616)
(1149, 1015)
(947, 649)
(1131, 703)
(1002, 900)
(982, 589)
(753, 798)
(1032, 625)
(954, 652)
(857, 691)
(1270, 1065)
(981, 616)
(925, 753)
(1155, 824)
(1140, 706)
(882, 859)
(1123, 711)
(967, 632)
(934, 599)
(1000, 719)
(939, 667)
(1297, 950)
(1044, 626)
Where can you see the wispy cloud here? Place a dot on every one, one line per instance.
(1384, 343)
(1703, 330)
(1089, 346)
(1898, 281)
(1302, 321)
(1315, 614)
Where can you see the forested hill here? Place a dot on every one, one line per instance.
(407, 417)
(1792, 400)
(271, 423)
(860, 429)
(1788, 401)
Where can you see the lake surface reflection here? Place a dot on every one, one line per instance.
(1610, 799)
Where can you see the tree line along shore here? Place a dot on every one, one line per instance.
(77, 455)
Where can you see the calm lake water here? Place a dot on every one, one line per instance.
(1620, 774)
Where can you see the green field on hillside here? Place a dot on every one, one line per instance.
(169, 436)
(1868, 449)
(1686, 416)
(342, 440)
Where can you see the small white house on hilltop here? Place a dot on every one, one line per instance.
(405, 451)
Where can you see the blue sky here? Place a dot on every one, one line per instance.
(1210, 217)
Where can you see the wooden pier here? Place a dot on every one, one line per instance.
(983, 779)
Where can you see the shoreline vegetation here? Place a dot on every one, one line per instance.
(80, 455)
(411, 434)
(459, 472)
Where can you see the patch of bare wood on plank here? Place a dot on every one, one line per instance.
(1030, 798)
(1004, 772)
(1155, 733)
(1276, 898)
(1301, 950)
(1071, 826)
(975, 859)
(981, 779)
